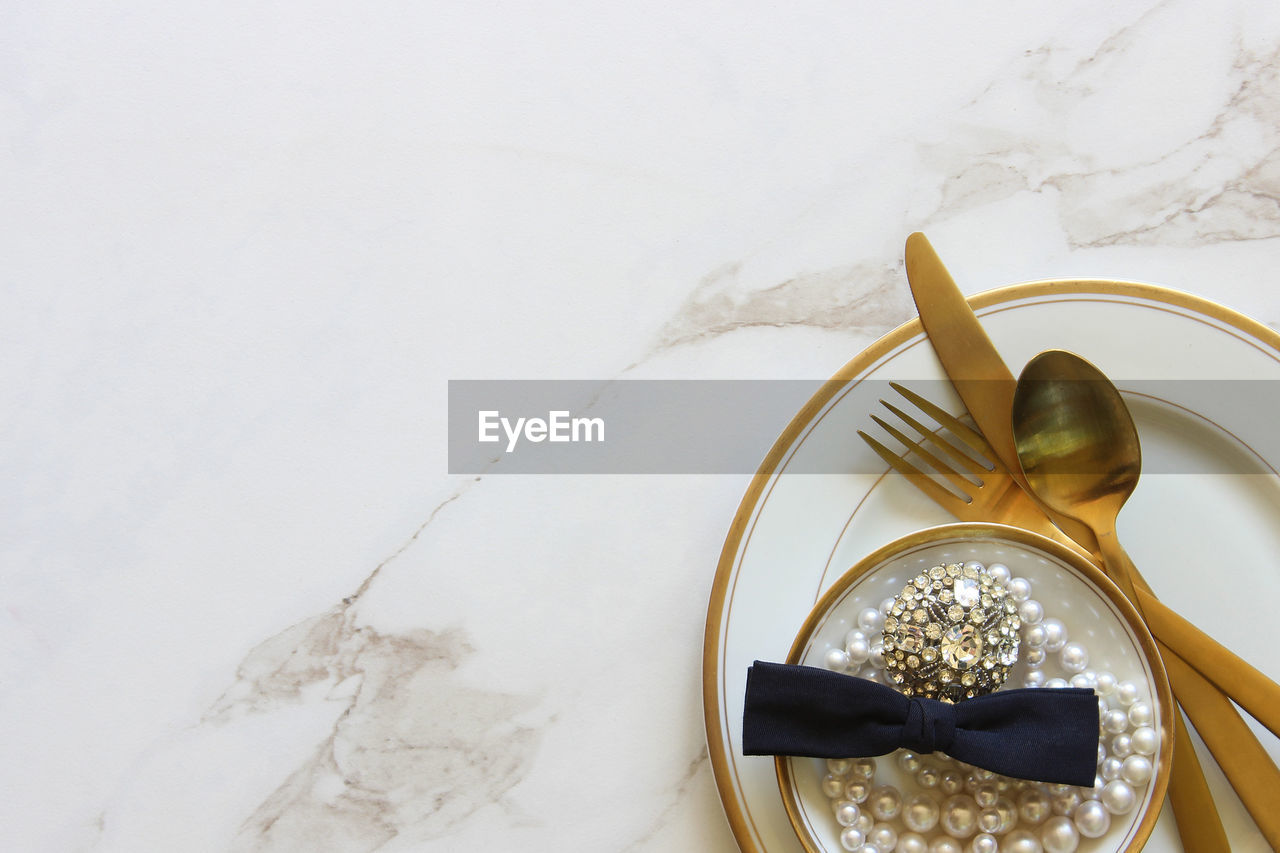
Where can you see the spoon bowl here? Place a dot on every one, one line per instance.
(1076, 440)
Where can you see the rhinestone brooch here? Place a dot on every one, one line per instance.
(951, 634)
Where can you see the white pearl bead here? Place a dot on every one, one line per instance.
(943, 844)
(1020, 841)
(847, 812)
(1092, 820)
(1035, 657)
(1035, 637)
(984, 843)
(1056, 683)
(1086, 680)
(837, 659)
(1055, 635)
(928, 777)
(868, 848)
(985, 795)
(839, 766)
(911, 842)
(1033, 806)
(864, 768)
(871, 620)
(1035, 678)
(1073, 657)
(1140, 714)
(1145, 740)
(1066, 802)
(1115, 721)
(1106, 684)
(999, 572)
(1118, 797)
(975, 565)
(951, 783)
(1008, 813)
(960, 816)
(921, 813)
(1127, 692)
(1102, 752)
(876, 658)
(886, 606)
(1059, 835)
(909, 761)
(859, 652)
(884, 837)
(1110, 768)
(851, 839)
(1137, 770)
(1122, 746)
(832, 785)
(1030, 611)
(1019, 589)
(885, 803)
(857, 791)
(864, 823)
(1096, 791)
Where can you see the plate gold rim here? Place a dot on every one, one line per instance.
(990, 531)
(738, 822)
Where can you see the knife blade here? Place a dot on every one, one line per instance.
(969, 358)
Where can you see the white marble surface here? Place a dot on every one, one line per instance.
(245, 245)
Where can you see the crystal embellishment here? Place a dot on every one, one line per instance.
(961, 646)
(966, 592)
(957, 636)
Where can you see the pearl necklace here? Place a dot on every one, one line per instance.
(956, 802)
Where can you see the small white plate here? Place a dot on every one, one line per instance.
(1206, 536)
(1093, 610)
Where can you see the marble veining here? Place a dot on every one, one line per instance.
(865, 296)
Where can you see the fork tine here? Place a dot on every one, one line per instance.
(962, 483)
(974, 439)
(917, 477)
(967, 462)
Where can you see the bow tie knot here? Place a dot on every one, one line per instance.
(930, 726)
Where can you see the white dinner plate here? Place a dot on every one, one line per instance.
(1204, 528)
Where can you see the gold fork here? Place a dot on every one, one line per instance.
(979, 488)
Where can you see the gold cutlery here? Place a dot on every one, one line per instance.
(986, 385)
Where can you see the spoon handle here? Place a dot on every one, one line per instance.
(1248, 687)
(1199, 824)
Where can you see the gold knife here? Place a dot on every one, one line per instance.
(986, 386)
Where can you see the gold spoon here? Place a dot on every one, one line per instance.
(1080, 454)
(1078, 448)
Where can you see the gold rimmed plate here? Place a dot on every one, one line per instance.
(1205, 530)
(1091, 608)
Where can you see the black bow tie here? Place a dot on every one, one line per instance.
(1042, 734)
